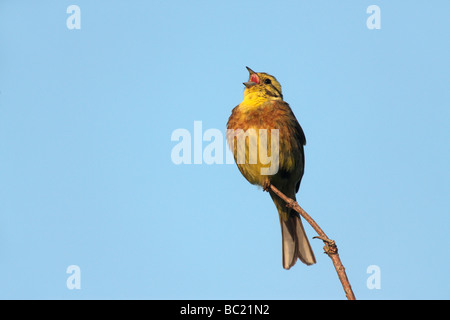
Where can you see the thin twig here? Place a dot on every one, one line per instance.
(330, 246)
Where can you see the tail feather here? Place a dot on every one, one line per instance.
(295, 243)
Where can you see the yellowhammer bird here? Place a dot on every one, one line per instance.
(251, 137)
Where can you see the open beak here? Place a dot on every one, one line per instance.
(250, 71)
(249, 84)
(254, 79)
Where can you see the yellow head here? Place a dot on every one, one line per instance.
(262, 85)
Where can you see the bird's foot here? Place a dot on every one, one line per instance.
(266, 185)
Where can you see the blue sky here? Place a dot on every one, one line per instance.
(87, 179)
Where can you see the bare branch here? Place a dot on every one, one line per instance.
(330, 247)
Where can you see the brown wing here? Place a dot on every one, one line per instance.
(292, 129)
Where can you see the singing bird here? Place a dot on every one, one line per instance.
(263, 108)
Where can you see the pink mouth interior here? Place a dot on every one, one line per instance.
(254, 78)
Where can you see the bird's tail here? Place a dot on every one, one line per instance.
(294, 240)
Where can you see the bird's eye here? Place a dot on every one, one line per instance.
(267, 81)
